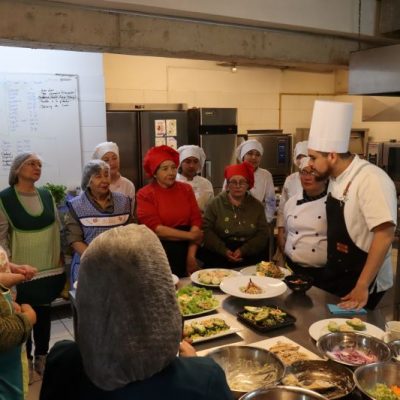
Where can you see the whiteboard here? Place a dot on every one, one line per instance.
(40, 113)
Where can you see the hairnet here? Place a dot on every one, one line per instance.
(104, 148)
(192, 151)
(17, 164)
(244, 169)
(129, 322)
(247, 146)
(91, 168)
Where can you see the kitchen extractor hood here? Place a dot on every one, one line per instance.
(375, 72)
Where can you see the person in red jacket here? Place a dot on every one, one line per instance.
(169, 208)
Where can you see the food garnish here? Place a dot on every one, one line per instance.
(270, 269)
(205, 328)
(264, 316)
(251, 288)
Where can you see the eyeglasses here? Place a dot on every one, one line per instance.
(33, 163)
(307, 173)
(238, 183)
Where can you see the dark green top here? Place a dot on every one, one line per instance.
(246, 224)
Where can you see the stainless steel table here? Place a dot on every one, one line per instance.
(307, 308)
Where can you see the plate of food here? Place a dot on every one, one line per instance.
(266, 268)
(207, 328)
(324, 326)
(265, 318)
(195, 300)
(212, 277)
(255, 287)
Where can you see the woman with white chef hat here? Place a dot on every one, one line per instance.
(263, 189)
(109, 152)
(191, 162)
(291, 187)
(361, 210)
(305, 225)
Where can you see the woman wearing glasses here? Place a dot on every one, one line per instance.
(235, 227)
(30, 233)
(305, 225)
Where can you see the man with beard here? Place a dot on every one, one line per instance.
(361, 211)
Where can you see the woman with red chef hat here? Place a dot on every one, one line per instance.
(235, 227)
(169, 208)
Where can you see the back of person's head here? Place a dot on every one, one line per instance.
(129, 324)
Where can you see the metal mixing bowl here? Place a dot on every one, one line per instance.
(395, 347)
(367, 376)
(349, 340)
(242, 365)
(283, 393)
(334, 380)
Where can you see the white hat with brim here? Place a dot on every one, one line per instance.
(330, 126)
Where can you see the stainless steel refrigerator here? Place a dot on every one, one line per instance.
(136, 128)
(215, 130)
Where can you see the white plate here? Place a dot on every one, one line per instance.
(251, 271)
(201, 312)
(195, 276)
(271, 287)
(232, 329)
(320, 328)
(175, 279)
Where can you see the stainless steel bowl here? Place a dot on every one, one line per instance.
(283, 393)
(328, 378)
(367, 376)
(395, 347)
(353, 340)
(247, 368)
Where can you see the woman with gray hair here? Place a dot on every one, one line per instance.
(30, 233)
(129, 329)
(94, 211)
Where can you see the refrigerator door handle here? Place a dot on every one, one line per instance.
(208, 169)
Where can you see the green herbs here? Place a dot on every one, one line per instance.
(194, 300)
(58, 192)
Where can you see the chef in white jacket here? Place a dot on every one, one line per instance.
(361, 210)
(263, 189)
(191, 162)
(291, 187)
(305, 225)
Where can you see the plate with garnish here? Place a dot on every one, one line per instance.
(255, 287)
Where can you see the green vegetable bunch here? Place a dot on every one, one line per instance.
(58, 192)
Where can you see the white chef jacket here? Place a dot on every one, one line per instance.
(202, 189)
(264, 191)
(370, 201)
(306, 230)
(291, 187)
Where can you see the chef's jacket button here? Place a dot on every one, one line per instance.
(295, 217)
(325, 202)
(317, 234)
(294, 248)
(319, 217)
(297, 232)
(313, 250)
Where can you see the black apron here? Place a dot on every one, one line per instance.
(345, 259)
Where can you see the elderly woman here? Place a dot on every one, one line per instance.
(191, 162)
(109, 152)
(291, 187)
(263, 189)
(30, 233)
(129, 330)
(170, 209)
(235, 227)
(305, 226)
(94, 211)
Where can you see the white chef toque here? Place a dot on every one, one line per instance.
(330, 126)
(300, 149)
(189, 150)
(246, 146)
